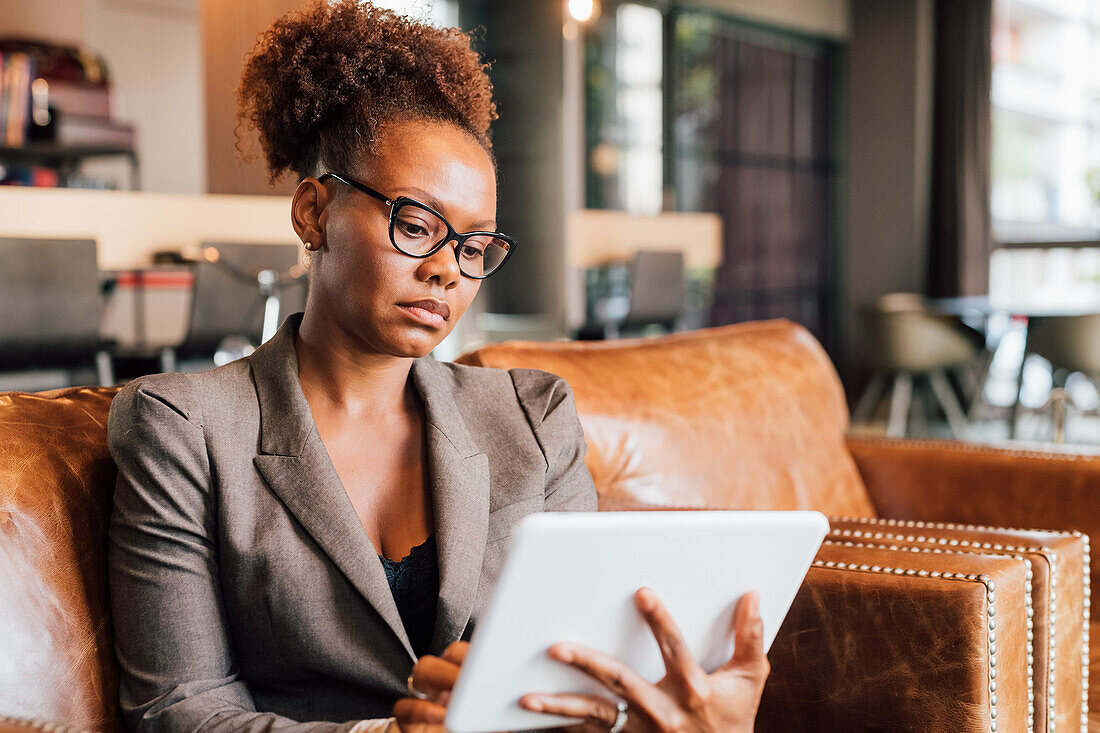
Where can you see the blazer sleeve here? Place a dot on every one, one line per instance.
(552, 413)
(177, 665)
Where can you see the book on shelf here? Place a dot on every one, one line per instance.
(16, 74)
(74, 97)
(36, 176)
(69, 130)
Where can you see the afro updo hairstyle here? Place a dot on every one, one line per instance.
(321, 81)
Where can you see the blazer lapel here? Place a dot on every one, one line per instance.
(459, 475)
(294, 463)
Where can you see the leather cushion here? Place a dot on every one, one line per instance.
(749, 416)
(56, 482)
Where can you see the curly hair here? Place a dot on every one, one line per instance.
(321, 81)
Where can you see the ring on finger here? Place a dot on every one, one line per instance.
(413, 691)
(620, 718)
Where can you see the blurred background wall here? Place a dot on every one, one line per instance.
(818, 132)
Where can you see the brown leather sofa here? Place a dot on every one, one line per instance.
(905, 622)
(913, 617)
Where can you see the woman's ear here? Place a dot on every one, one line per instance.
(309, 202)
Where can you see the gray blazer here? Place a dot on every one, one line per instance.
(241, 578)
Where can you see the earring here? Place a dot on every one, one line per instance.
(309, 245)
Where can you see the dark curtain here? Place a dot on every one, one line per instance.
(961, 240)
(756, 149)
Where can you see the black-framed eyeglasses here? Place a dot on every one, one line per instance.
(418, 230)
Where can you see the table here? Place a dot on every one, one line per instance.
(1020, 310)
(1023, 308)
(147, 309)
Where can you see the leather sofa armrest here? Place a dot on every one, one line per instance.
(965, 483)
(1059, 597)
(900, 639)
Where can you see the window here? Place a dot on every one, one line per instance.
(1046, 120)
(690, 109)
(625, 111)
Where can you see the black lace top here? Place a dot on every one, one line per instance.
(414, 582)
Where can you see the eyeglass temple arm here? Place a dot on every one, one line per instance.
(357, 186)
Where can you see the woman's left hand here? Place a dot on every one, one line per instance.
(434, 678)
(687, 699)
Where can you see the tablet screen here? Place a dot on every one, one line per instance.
(572, 577)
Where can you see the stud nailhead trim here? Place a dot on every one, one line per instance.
(991, 611)
(912, 523)
(977, 449)
(1087, 591)
(1041, 549)
(945, 541)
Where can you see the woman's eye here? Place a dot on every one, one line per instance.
(411, 228)
(470, 252)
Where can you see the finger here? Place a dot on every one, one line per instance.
(591, 708)
(455, 653)
(617, 678)
(748, 634)
(434, 676)
(682, 669)
(411, 712)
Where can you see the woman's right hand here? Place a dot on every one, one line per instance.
(687, 700)
(434, 678)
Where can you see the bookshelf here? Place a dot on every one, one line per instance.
(67, 158)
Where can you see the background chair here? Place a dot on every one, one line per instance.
(50, 305)
(911, 346)
(227, 300)
(656, 291)
(1071, 344)
(627, 298)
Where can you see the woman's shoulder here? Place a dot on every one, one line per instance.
(186, 395)
(537, 392)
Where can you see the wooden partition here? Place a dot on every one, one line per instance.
(229, 31)
(129, 226)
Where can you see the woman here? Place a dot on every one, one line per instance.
(293, 531)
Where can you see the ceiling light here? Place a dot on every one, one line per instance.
(582, 10)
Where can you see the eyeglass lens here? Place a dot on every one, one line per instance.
(416, 231)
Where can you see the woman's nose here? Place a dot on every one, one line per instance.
(443, 265)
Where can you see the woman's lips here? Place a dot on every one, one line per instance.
(432, 313)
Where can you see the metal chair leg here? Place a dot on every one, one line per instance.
(1059, 402)
(168, 360)
(1014, 411)
(869, 400)
(899, 405)
(105, 368)
(956, 418)
(977, 397)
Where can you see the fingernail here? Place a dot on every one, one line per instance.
(532, 703)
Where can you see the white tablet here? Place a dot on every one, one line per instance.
(572, 577)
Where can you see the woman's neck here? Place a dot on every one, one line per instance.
(336, 375)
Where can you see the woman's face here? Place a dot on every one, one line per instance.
(389, 302)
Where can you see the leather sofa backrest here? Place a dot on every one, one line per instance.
(56, 484)
(749, 416)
